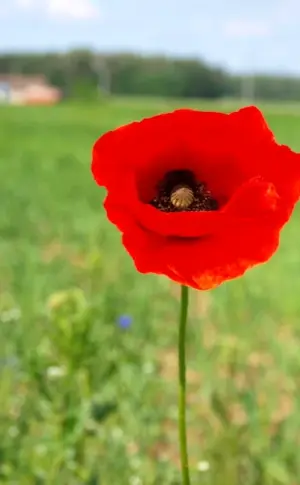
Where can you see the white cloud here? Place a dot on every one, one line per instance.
(241, 28)
(29, 4)
(25, 3)
(287, 12)
(76, 9)
(62, 9)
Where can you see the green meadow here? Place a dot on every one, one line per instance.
(85, 402)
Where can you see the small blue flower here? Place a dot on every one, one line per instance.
(11, 362)
(124, 321)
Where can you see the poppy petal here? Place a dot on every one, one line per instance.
(255, 181)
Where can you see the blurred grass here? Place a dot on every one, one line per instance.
(85, 402)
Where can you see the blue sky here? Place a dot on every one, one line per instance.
(261, 35)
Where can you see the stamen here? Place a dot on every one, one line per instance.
(180, 191)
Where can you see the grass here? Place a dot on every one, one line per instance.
(84, 402)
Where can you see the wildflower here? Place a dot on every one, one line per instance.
(54, 372)
(125, 321)
(134, 480)
(11, 315)
(10, 362)
(13, 431)
(203, 466)
(198, 196)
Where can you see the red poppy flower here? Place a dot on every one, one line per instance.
(199, 196)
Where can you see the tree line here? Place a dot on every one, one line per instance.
(83, 73)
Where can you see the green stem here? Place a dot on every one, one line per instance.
(182, 385)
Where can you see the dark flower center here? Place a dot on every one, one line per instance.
(180, 191)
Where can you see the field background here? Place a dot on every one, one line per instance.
(85, 402)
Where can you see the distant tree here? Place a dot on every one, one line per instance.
(85, 74)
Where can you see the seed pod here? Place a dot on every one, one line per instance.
(182, 196)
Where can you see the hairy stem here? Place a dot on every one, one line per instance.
(182, 385)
